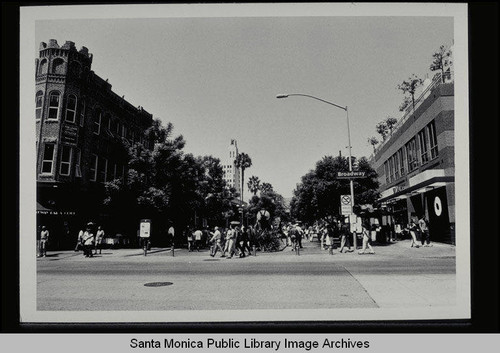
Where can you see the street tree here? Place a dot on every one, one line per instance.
(266, 188)
(374, 142)
(382, 129)
(390, 122)
(317, 196)
(163, 183)
(253, 184)
(243, 161)
(410, 86)
(441, 59)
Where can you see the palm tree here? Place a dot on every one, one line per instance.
(266, 188)
(243, 161)
(253, 184)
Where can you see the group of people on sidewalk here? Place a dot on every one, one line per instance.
(236, 241)
(419, 229)
(90, 241)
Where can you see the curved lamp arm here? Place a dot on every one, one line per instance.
(313, 97)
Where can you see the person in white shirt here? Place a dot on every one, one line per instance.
(197, 239)
(44, 239)
(216, 239)
(98, 240)
(88, 242)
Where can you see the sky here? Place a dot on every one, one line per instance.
(216, 79)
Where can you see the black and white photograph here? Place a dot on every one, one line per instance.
(244, 163)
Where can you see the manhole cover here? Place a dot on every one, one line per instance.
(158, 284)
(211, 260)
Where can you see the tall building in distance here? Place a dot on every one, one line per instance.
(82, 128)
(231, 173)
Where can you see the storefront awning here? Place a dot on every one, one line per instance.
(421, 183)
(42, 210)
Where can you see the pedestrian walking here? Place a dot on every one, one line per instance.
(88, 242)
(171, 234)
(251, 237)
(242, 242)
(299, 234)
(345, 237)
(216, 240)
(197, 239)
(189, 237)
(424, 231)
(412, 228)
(99, 236)
(324, 233)
(366, 238)
(230, 241)
(44, 239)
(397, 231)
(79, 245)
(38, 235)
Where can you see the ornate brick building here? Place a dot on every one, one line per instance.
(81, 125)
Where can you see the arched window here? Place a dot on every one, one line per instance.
(71, 109)
(76, 68)
(54, 106)
(58, 66)
(39, 104)
(42, 68)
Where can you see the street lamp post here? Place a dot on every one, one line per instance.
(349, 141)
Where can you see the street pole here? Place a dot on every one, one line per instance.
(351, 183)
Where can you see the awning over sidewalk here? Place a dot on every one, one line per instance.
(42, 210)
(418, 184)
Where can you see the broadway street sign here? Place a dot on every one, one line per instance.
(351, 175)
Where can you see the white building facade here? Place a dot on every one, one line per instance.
(231, 172)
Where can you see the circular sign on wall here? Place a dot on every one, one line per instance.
(438, 207)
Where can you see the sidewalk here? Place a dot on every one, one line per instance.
(311, 252)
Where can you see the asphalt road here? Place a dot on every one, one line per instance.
(396, 276)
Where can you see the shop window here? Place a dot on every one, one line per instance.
(65, 165)
(422, 138)
(93, 167)
(71, 109)
(48, 158)
(82, 114)
(39, 105)
(54, 106)
(97, 122)
(433, 140)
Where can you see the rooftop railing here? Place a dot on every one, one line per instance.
(436, 81)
